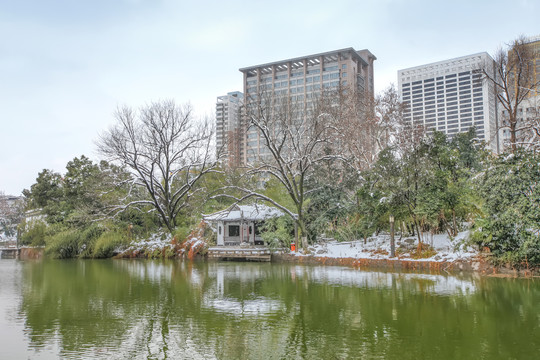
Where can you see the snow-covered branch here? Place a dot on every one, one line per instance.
(166, 151)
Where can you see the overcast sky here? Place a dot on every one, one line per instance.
(65, 65)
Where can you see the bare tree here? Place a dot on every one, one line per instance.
(293, 136)
(513, 76)
(167, 152)
(368, 125)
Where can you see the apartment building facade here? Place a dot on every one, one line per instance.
(229, 128)
(528, 110)
(450, 96)
(302, 80)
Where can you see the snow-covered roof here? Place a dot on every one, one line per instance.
(245, 212)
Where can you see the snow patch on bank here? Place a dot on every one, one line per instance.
(447, 249)
(155, 242)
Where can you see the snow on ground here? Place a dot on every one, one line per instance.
(156, 242)
(378, 247)
(163, 241)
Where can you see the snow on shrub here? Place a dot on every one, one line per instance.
(194, 244)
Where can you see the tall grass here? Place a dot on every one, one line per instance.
(63, 245)
(108, 244)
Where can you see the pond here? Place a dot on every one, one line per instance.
(142, 309)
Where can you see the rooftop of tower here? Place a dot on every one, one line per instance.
(313, 59)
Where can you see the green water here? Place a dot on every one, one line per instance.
(121, 309)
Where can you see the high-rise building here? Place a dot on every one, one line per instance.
(532, 68)
(527, 112)
(302, 80)
(229, 129)
(450, 96)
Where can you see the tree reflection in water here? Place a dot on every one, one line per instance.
(155, 309)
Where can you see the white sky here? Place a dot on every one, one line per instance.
(65, 65)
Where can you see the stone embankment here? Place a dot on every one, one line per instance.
(23, 253)
(478, 265)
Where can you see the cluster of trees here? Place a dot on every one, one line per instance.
(340, 166)
(158, 164)
(68, 212)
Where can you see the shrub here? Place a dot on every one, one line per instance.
(88, 238)
(196, 243)
(278, 232)
(63, 245)
(33, 233)
(108, 243)
(180, 234)
(510, 225)
(348, 229)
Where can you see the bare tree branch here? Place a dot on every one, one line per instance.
(513, 77)
(166, 151)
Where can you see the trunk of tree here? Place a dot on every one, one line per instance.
(419, 249)
(303, 231)
(455, 230)
(410, 229)
(513, 135)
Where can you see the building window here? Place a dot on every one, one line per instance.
(234, 230)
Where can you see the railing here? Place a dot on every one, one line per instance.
(252, 253)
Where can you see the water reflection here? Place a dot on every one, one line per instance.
(422, 283)
(154, 309)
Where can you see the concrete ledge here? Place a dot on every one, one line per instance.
(478, 265)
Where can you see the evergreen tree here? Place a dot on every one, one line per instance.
(510, 226)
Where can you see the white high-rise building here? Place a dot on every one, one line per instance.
(229, 131)
(450, 96)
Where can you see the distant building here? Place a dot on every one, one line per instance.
(303, 79)
(528, 110)
(532, 44)
(450, 96)
(229, 129)
(11, 213)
